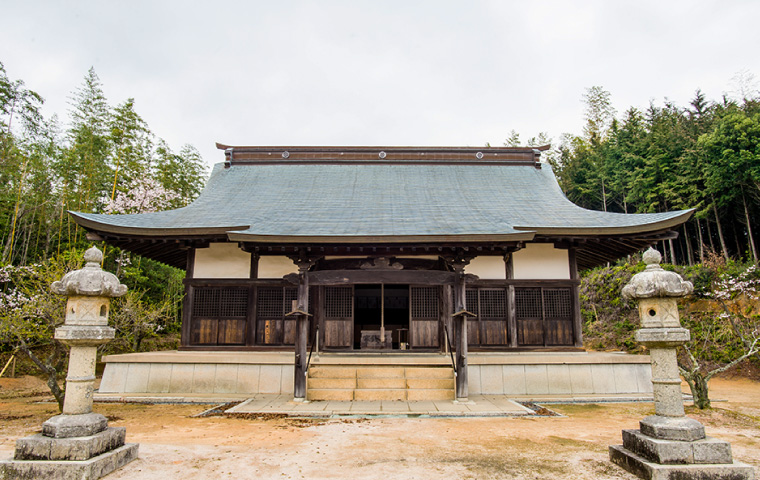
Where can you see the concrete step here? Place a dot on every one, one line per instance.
(374, 383)
(370, 394)
(380, 372)
(332, 372)
(429, 372)
(429, 383)
(370, 383)
(430, 394)
(334, 394)
(331, 383)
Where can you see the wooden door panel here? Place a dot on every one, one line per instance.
(338, 333)
(530, 332)
(424, 303)
(473, 331)
(425, 333)
(204, 331)
(231, 331)
(289, 331)
(559, 332)
(338, 314)
(269, 331)
(493, 332)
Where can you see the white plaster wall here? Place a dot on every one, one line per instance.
(275, 266)
(541, 261)
(487, 268)
(222, 260)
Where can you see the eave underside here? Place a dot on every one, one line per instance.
(591, 251)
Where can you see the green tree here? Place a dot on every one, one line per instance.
(30, 312)
(731, 156)
(85, 169)
(132, 146)
(184, 173)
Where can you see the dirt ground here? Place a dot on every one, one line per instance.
(174, 445)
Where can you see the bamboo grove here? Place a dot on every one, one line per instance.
(102, 159)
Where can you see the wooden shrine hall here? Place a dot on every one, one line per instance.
(388, 252)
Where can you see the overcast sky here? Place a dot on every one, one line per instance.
(380, 72)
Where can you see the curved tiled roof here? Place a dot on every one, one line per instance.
(389, 202)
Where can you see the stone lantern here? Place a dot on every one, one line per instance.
(78, 443)
(669, 444)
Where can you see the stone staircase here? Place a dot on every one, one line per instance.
(371, 383)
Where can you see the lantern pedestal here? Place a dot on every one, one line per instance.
(669, 445)
(78, 444)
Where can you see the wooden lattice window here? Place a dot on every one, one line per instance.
(290, 295)
(493, 303)
(338, 309)
(424, 302)
(339, 302)
(528, 303)
(489, 326)
(471, 296)
(270, 302)
(219, 316)
(557, 302)
(220, 302)
(206, 302)
(544, 315)
(273, 325)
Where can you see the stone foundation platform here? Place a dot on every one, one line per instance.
(71, 447)
(656, 458)
(654, 471)
(533, 375)
(93, 468)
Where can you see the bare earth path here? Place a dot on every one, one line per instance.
(175, 446)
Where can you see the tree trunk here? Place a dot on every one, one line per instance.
(709, 234)
(701, 242)
(720, 231)
(49, 370)
(739, 249)
(698, 386)
(689, 253)
(29, 231)
(752, 249)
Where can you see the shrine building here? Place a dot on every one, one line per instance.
(305, 258)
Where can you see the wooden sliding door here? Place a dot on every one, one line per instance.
(338, 311)
(424, 316)
(544, 316)
(219, 316)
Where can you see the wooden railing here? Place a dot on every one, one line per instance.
(451, 350)
(311, 350)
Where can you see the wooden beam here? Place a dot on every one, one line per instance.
(416, 277)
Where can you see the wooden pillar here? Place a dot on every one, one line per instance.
(301, 312)
(460, 315)
(460, 326)
(302, 334)
(187, 302)
(446, 307)
(511, 310)
(576, 299)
